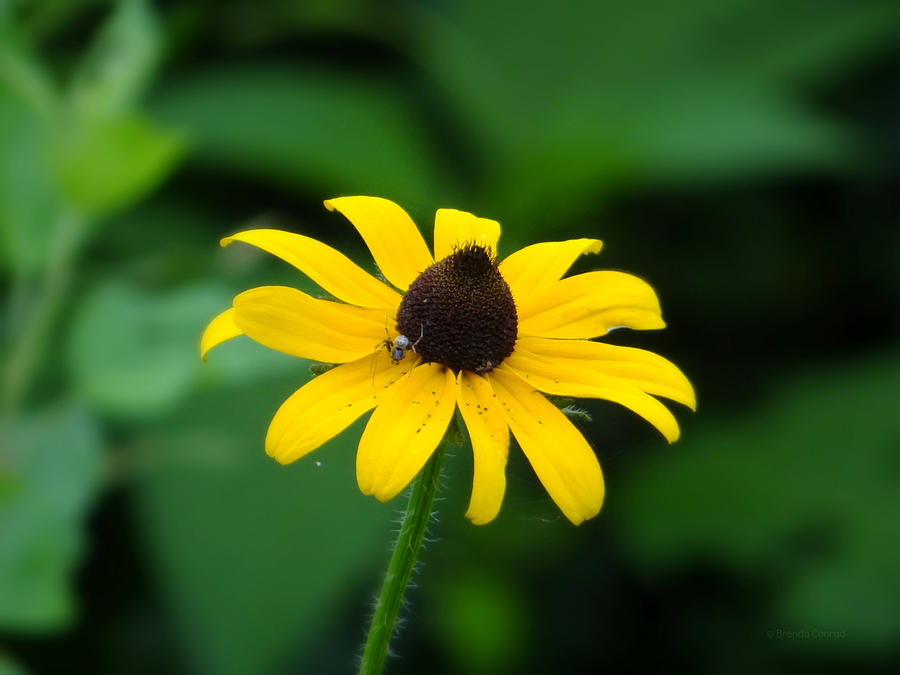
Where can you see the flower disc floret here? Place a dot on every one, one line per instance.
(460, 312)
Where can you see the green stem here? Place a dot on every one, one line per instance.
(29, 346)
(406, 549)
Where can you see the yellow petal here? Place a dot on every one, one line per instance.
(647, 371)
(455, 228)
(489, 433)
(391, 235)
(560, 456)
(589, 305)
(331, 269)
(329, 403)
(295, 323)
(219, 330)
(534, 267)
(404, 430)
(571, 379)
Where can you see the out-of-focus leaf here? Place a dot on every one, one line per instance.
(248, 25)
(21, 74)
(328, 132)
(642, 91)
(255, 560)
(44, 18)
(594, 155)
(105, 164)
(482, 623)
(120, 62)
(92, 157)
(104, 156)
(51, 471)
(134, 354)
(29, 202)
(803, 490)
(8, 666)
(242, 361)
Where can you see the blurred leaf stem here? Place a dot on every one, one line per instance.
(28, 344)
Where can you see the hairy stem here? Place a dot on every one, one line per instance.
(406, 549)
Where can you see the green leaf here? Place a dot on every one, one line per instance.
(242, 361)
(51, 472)
(320, 368)
(103, 155)
(567, 406)
(120, 62)
(105, 164)
(22, 76)
(326, 132)
(255, 560)
(643, 92)
(802, 490)
(482, 621)
(576, 413)
(29, 201)
(454, 433)
(134, 354)
(8, 666)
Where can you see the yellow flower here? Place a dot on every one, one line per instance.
(454, 330)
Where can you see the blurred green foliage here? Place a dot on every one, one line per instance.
(302, 127)
(56, 469)
(790, 496)
(123, 335)
(8, 666)
(740, 155)
(70, 155)
(252, 556)
(643, 92)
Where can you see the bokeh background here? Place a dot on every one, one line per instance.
(741, 155)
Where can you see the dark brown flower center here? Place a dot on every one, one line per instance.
(460, 312)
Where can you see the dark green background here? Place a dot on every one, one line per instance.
(741, 156)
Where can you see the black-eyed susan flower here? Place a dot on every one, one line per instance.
(454, 330)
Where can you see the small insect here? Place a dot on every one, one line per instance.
(485, 366)
(397, 348)
(401, 345)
